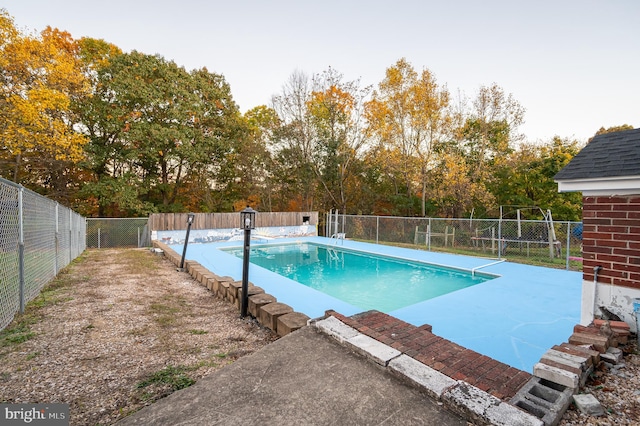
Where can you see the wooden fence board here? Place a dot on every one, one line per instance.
(177, 221)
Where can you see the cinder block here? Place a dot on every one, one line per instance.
(290, 322)
(546, 400)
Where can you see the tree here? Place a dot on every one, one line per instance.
(292, 145)
(336, 113)
(409, 114)
(39, 78)
(526, 178)
(155, 125)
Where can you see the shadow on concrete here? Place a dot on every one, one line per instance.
(304, 378)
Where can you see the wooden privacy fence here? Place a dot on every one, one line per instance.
(177, 221)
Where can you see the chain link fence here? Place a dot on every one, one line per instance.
(118, 232)
(38, 237)
(540, 242)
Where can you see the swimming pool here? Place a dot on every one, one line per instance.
(513, 318)
(365, 280)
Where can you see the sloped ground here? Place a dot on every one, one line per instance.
(117, 330)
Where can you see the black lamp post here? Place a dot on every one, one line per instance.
(247, 222)
(190, 217)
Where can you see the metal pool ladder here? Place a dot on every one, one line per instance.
(338, 237)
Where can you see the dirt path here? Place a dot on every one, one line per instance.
(117, 330)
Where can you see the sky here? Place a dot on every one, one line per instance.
(574, 65)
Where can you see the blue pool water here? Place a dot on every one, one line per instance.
(364, 280)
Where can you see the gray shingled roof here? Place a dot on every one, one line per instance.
(608, 155)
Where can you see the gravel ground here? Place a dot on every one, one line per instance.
(117, 330)
(617, 388)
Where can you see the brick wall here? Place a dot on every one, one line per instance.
(611, 239)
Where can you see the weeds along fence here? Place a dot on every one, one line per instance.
(38, 237)
(539, 242)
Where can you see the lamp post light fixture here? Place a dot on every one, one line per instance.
(247, 222)
(190, 218)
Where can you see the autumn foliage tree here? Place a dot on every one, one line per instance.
(126, 134)
(40, 76)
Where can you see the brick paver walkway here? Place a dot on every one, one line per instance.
(451, 359)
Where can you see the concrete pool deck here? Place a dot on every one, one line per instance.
(514, 318)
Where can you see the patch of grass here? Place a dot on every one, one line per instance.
(175, 377)
(143, 259)
(197, 331)
(18, 332)
(32, 355)
(168, 310)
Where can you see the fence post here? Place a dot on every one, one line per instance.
(568, 242)
(429, 235)
(500, 248)
(377, 227)
(70, 235)
(98, 237)
(57, 238)
(21, 247)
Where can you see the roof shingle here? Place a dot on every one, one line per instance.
(607, 155)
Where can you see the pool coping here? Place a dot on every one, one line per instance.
(459, 396)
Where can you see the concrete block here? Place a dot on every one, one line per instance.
(268, 314)
(257, 301)
(507, 415)
(433, 382)
(588, 404)
(469, 401)
(291, 322)
(232, 292)
(543, 399)
(574, 363)
(252, 290)
(612, 356)
(373, 349)
(593, 356)
(209, 283)
(556, 375)
(336, 328)
(223, 287)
